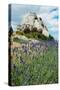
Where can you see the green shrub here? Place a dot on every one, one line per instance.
(51, 37)
(34, 34)
(19, 32)
(16, 39)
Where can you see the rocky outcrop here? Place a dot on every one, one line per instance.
(32, 22)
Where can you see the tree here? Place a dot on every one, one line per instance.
(51, 37)
(10, 31)
(9, 34)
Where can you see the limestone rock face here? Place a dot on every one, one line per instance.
(31, 20)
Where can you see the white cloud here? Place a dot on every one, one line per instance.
(48, 19)
(46, 9)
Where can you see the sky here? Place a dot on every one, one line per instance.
(49, 15)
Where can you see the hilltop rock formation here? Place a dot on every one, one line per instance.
(33, 23)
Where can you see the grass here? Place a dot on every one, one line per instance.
(36, 70)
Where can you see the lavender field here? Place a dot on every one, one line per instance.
(34, 63)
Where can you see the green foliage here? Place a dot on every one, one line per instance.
(34, 34)
(51, 37)
(16, 39)
(19, 33)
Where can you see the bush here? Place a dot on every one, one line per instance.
(40, 36)
(19, 32)
(34, 34)
(51, 37)
(16, 39)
